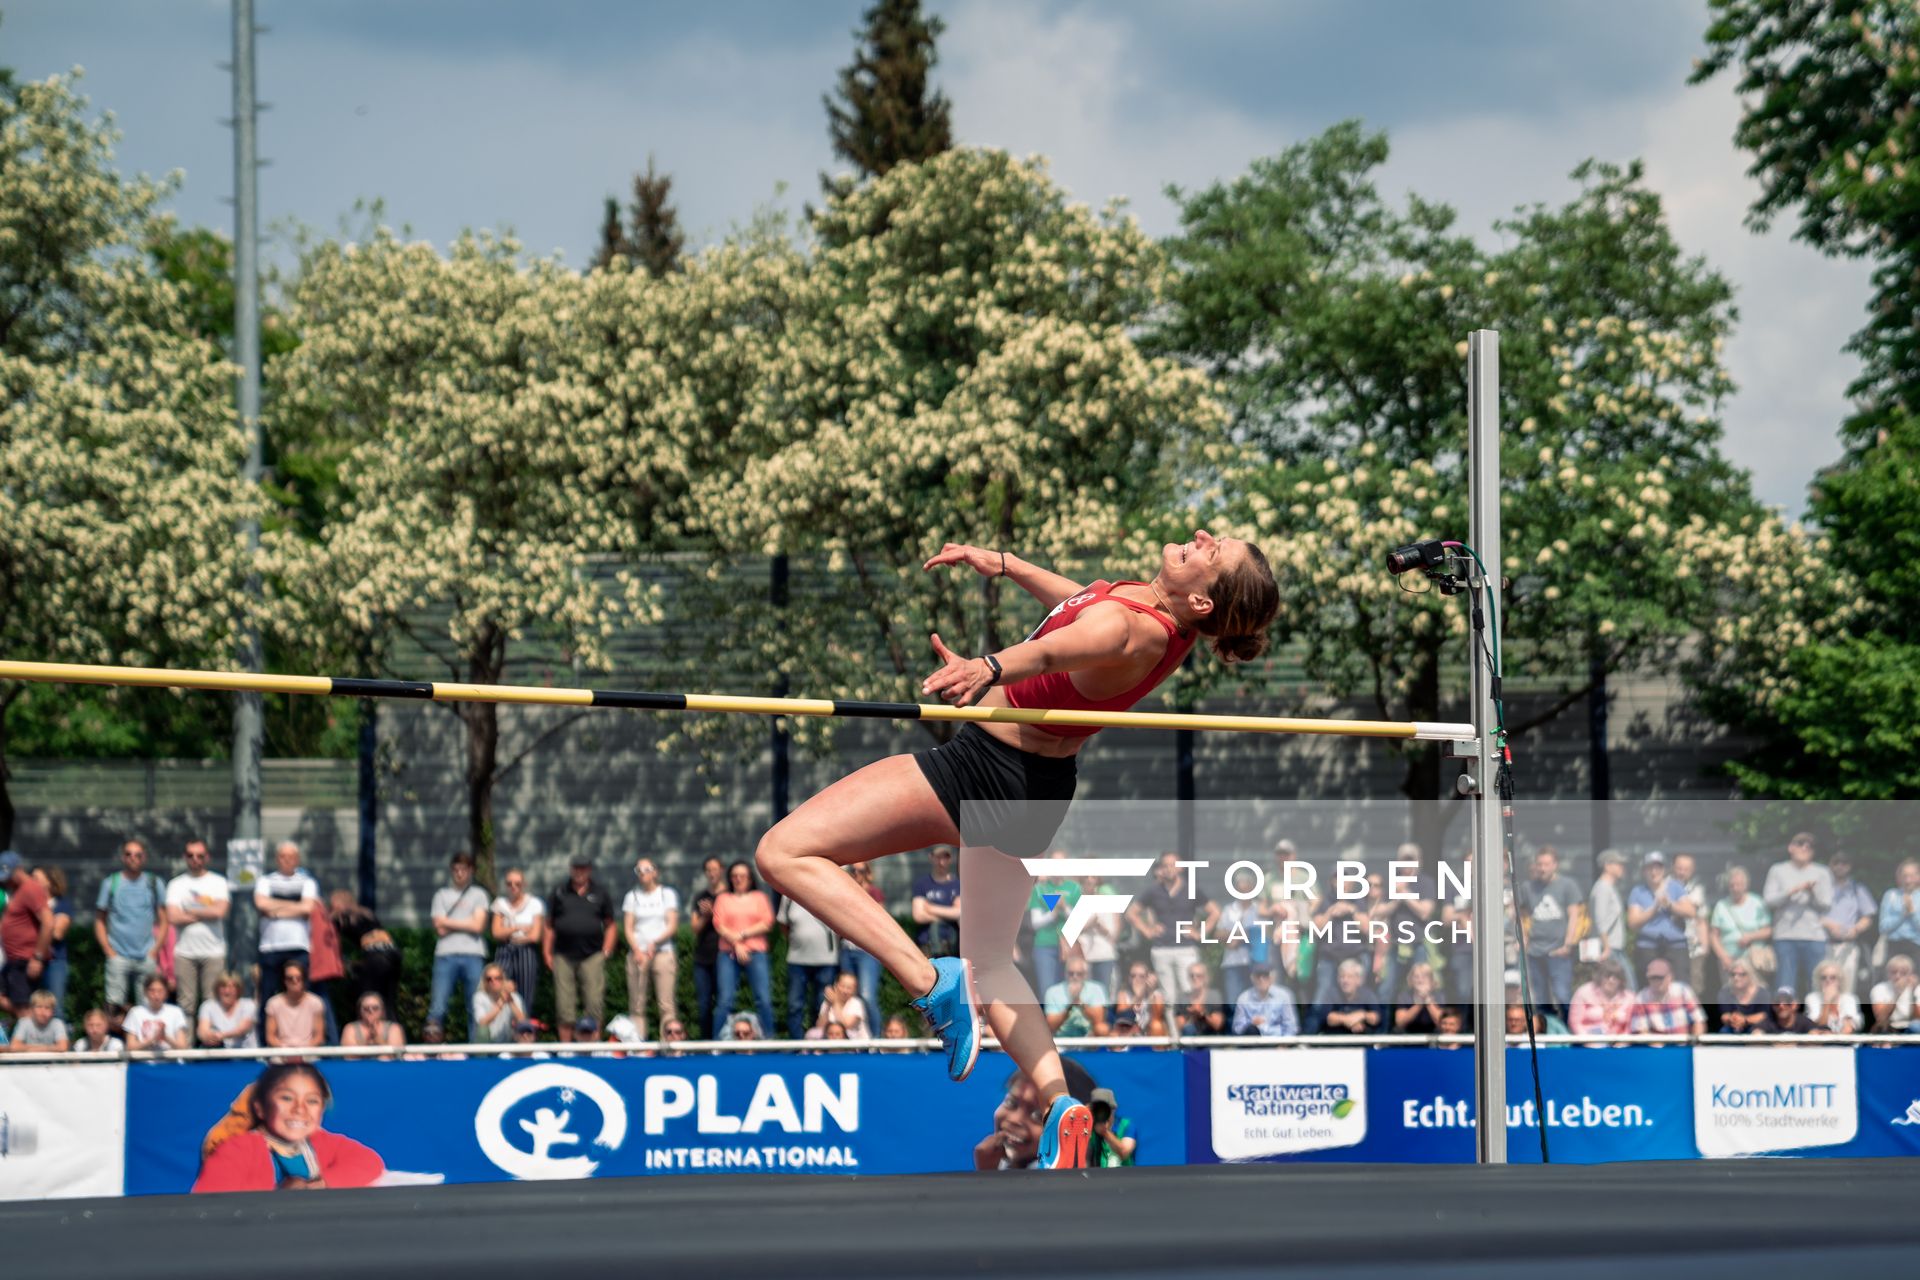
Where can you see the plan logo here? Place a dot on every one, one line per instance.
(1913, 1114)
(528, 1155)
(1090, 904)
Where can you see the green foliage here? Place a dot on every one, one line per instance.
(1829, 92)
(1333, 325)
(886, 114)
(653, 241)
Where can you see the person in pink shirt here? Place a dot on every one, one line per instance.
(295, 1017)
(743, 917)
(1604, 1004)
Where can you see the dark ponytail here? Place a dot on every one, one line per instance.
(1245, 601)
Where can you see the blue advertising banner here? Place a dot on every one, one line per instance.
(1416, 1105)
(357, 1122)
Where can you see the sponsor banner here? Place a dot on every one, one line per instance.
(1278, 1102)
(1418, 1107)
(62, 1130)
(1765, 1100)
(1889, 1082)
(504, 1119)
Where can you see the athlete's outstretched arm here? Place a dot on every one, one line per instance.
(1105, 635)
(1044, 585)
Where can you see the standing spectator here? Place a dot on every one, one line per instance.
(1900, 912)
(1848, 921)
(97, 1037)
(1046, 920)
(1690, 905)
(459, 913)
(1664, 1006)
(1407, 924)
(1740, 925)
(128, 923)
(1240, 924)
(579, 938)
(376, 964)
(1785, 1018)
(284, 897)
(1607, 914)
(519, 922)
(294, 1016)
(1352, 1008)
(54, 881)
(1604, 1004)
(1660, 930)
(1142, 1000)
(1550, 907)
(1077, 1004)
(26, 934)
(156, 1024)
(1100, 939)
(372, 1028)
(1340, 928)
(1892, 1000)
(40, 1031)
(1203, 1009)
(1832, 1010)
(1799, 892)
(936, 904)
(227, 1019)
(496, 1007)
(854, 960)
(1157, 913)
(743, 917)
(813, 956)
(706, 945)
(1419, 1014)
(651, 916)
(1265, 1009)
(842, 1007)
(1743, 1003)
(196, 905)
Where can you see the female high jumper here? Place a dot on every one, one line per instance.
(1000, 791)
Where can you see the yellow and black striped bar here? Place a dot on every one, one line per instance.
(729, 704)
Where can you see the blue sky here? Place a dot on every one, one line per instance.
(522, 115)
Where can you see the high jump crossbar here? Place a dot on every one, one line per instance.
(631, 700)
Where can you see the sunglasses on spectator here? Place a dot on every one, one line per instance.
(1829, 977)
(1076, 973)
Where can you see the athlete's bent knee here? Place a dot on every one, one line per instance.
(772, 856)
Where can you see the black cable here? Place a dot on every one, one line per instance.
(1502, 782)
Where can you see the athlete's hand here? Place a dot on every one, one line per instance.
(961, 681)
(988, 564)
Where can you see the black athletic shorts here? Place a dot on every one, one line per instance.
(1000, 796)
(15, 985)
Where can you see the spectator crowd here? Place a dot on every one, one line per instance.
(1800, 947)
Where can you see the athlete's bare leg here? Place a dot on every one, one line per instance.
(886, 808)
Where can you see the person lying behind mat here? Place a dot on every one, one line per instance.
(1000, 790)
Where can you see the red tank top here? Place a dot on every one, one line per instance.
(1054, 690)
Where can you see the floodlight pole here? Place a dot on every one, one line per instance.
(1489, 869)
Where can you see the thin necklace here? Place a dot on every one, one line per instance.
(1165, 603)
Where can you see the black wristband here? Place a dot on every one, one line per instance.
(1003, 564)
(994, 664)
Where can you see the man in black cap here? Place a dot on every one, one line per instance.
(579, 938)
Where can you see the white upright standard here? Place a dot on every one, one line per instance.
(1489, 862)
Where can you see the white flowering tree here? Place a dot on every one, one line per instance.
(119, 454)
(1335, 325)
(514, 438)
(958, 364)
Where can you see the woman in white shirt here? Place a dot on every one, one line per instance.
(519, 926)
(229, 1020)
(844, 1007)
(496, 1007)
(1829, 1008)
(156, 1024)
